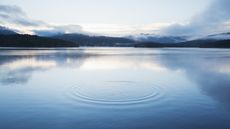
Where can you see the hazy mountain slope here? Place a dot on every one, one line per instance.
(6, 31)
(221, 36)
(32, 41)
(157, 38)
(194, 43)
(85, 40)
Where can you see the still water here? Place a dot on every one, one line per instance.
(115, 88)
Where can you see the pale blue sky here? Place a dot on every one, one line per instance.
(110, 11)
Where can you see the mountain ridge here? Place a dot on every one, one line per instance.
(18, 40)
(86, 40)
(10, 38)
(6, 31)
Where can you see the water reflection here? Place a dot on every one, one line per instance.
(209, 70)
(117, 88)
(16, 66)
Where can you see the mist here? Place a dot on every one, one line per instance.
(15, 15)
(215, 19)
(11, 15)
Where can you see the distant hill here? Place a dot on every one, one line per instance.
(32, 41)
(220, 36)
(85, 40)
(9, 38)
(207, 43)
(157, 38)
(194, 43)
(6, 31)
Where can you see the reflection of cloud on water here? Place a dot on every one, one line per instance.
(18, 71)
(224, 68)
(120, 62)
(29, 63)
(210, 73)
(153, 66)
(208, 69)
(214, 84)
(13, 77)
(16, 67)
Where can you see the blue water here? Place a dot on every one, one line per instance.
(115, 88)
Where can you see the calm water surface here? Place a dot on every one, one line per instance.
(115, 88)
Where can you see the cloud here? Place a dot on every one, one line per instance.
(216, 18)
(54, 30)
(212, 20)
(15, 15)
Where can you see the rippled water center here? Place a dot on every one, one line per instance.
(115, 88)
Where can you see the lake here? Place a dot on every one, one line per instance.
(115, 88)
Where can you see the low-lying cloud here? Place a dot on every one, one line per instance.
(61, 29)
(213, 19)
(15, 16)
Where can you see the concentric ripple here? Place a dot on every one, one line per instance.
(116, 92)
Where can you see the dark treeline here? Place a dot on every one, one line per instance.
(6, 31)
(33, 41)
(195, 44)
(76, 40)
(85, 40)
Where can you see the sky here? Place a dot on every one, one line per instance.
(116, 17)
